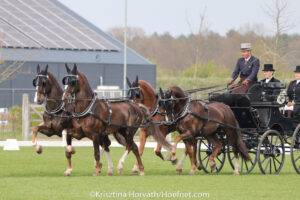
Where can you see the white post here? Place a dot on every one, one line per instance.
(25, 117)
(125, 48)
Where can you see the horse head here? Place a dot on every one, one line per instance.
(134, 90)
(43, 84)
(77, 89)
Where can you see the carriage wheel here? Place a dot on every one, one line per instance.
(295, 149)
(271, 152)
(204, 150)
(245, 166)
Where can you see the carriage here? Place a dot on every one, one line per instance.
(266, 130)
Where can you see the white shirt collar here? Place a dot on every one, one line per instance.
(247, 59)
(268, 80)
(297, 81)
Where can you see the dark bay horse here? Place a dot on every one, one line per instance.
(140, 91)
(194, 117)
(95, 116)
(55, 120)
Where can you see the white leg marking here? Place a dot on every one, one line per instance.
(121, 161)
(110, 163)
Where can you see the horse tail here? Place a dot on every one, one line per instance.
(241, 146)
(153, 130)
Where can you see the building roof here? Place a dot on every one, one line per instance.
(49, 25)
(70, 38)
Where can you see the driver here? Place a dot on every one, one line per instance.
(246, 67)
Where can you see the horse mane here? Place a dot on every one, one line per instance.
(177, 92)
(55, 82)
(86, 85)
(146, 87)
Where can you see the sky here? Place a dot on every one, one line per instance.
(174, 16)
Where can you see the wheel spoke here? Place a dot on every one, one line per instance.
(274, 165)
(270, 165)
(219, 159)
(297, 159)
(277, 160)
(264, 160)
(265, 169)
(242, 164)
(204, 158)
(206, 163)
(276, 140)
(246, 165)
(207, 145)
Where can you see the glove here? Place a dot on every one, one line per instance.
(230, 82)
(245, 82)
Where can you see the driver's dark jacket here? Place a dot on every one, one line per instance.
(247, 70)
(293, 93)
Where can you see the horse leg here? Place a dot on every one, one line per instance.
(157, 151)
(158, 148)
(192, 155)
(216, 150)
(143, 137)
(35, 130)
(179, 166)
(98, 165)
(105, 143)
(135, 150)
(69, 151)
(177, 140)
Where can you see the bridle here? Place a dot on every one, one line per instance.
(182, 113)
(36, 84)
(71, 80)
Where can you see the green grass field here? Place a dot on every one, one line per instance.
(26, 175)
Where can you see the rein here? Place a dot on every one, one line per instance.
(88, 110)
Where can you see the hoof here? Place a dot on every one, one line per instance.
(237, 173)
(179, 171)
(199, 166)
(159, 154)
(110, 172)
(192, 172)
(134, 173)
(142, 173)
(120, 171)
(68, 172)
(39, 149)
(174, 162)
(96, 174)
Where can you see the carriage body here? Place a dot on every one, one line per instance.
(265, 130)
(257, 111)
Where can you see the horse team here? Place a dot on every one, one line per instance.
(78, 112)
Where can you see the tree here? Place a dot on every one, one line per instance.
(280, 15)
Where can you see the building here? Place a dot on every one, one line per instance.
(47, 32)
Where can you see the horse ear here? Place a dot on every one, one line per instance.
(67, 68)
(74, 70)
(161, 92)
(128, 82)
(137, 79)
(38, 69)
(46, 69)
